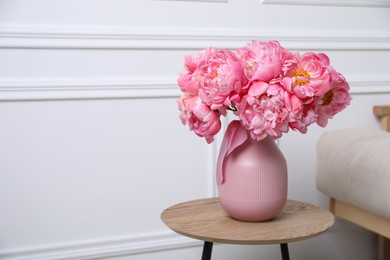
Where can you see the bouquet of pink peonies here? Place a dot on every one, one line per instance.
(267, 87)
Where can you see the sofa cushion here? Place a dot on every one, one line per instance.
(353, 165)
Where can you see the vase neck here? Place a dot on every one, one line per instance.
(265, 139)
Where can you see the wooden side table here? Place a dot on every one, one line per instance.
(205, 220)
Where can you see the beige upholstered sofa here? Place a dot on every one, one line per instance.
(353, 169)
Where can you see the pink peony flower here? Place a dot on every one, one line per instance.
(336, 99)
(216, 76)
(190, 79)
(262, 61)
(200, 118)
(271, 90)
(188, 84)
(264, 113)
(222, 80)
(306, 118)
(307, 75)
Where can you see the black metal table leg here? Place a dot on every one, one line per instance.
(207, 250)
(284, 250)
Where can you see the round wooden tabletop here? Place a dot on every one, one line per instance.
(205, 220)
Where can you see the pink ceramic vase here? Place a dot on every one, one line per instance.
(251, 176)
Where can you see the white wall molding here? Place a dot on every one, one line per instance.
(358, 3)
(369, 84)
(81, 37)
(63, 89)
(100, 249)
(152, 87)
(218, 1)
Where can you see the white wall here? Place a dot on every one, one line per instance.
(91, 147)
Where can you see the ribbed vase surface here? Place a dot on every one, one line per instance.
(254, 179)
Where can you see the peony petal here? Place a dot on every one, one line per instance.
(258, 89)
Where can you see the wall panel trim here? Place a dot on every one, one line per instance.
(369, 84)
(218, 1)
(151, 87)
(100, 249)
(81, 37)
(358, 3)
(71, 89)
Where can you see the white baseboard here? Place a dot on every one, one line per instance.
(100, 249)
